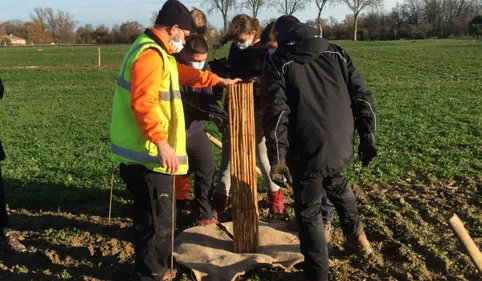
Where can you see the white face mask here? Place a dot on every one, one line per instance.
(198, 65)
(243, 46)
(177, 46)
(271, 51)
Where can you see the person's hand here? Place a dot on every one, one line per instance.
(367, 152)
(254, 79)
(168, 157)
(224, 82)
(280, 174)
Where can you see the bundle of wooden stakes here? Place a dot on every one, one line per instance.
(243, 168)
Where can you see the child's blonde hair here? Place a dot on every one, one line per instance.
(199, 21)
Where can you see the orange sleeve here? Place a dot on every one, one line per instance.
(146, 79)
(189, 76)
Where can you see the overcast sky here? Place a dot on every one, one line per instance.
(110, 12)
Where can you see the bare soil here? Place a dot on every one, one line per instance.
(406, 222)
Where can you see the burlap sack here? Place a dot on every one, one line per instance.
(208, 251)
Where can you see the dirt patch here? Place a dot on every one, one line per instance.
(406, 221)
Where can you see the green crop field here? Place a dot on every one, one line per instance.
(54, 124)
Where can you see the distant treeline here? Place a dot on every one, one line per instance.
(414, 19)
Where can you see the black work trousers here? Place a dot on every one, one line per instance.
(3, 204)
(152, 217)
(309, 193)
(201, 163)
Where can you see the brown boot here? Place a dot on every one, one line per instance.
(12, 243)
(358, 244)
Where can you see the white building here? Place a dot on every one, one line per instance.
(14, 40)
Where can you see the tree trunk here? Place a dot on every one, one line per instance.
(319, 23)
(355, 28)
(225, 19)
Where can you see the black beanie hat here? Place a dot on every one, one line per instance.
(174, 12)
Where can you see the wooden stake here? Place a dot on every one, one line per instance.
(219, 144)
(99, 57)
(173, 226)
(111, 191)
(243, 167)
(466, 240)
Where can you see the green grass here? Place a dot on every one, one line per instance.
(60, 56)
(55, 122)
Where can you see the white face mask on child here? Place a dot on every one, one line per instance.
(198, 65)
(271, 51)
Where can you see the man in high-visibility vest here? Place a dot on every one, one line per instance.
(148, 135)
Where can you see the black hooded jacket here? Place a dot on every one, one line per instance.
(313, 97)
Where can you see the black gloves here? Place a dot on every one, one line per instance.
(280, 174)
(367, 151)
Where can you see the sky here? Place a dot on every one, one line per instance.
(112, 12)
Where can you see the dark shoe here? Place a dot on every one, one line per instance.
(358, 244)
(292, 226)
(11, 242)
(276, 203)
(219, 203)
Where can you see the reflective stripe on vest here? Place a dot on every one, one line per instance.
(141, 157)
(165, 96)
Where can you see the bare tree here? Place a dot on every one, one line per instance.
(412, 10)
(289, 7)
(454, 12)
(431, 10)
(223, 6)
(356, 6)
(255, 6)
(101, 34)
(36, 34)
(320, 4)
(60, 24)
(130, 30)
(39, 17)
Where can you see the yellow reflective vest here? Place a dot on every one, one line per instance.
(128, 146)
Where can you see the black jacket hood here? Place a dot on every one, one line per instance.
(302, 43)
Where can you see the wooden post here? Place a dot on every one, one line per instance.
(99, 57)
(243, 168)
(464, 237)
(111, 191)
(219, 144)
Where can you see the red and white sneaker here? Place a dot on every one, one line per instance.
(276, 203)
